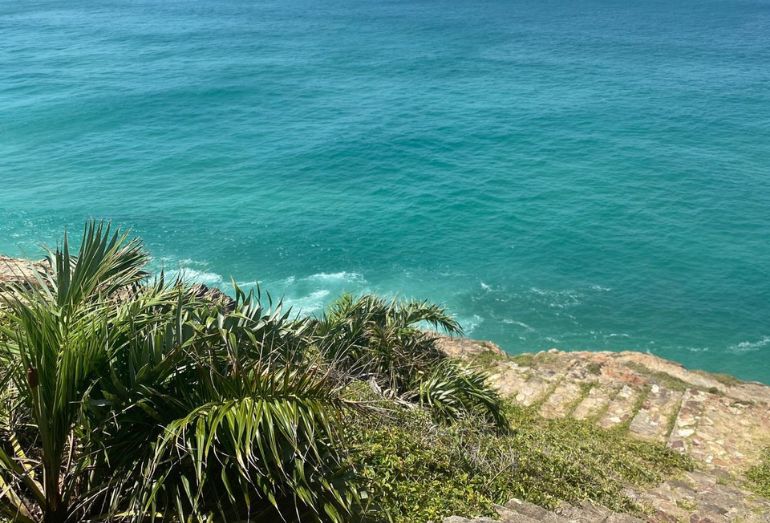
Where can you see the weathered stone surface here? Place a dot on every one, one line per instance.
(693, 411)
(595, 403)
(518, 511)
(589, 512)
(687, 420)
(622, 406)
(524, 508)
(558, 404)
(700, 496)
(656, 414)
(721, 422)
(16, 271)
(463, 347)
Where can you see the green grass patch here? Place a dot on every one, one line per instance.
(724, 379)
(594, 368)
(660, 378)
(759, 475)
(488, 360)
(585, 390)
(419, 471)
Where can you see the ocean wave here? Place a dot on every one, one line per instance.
(509, 321)
(332, 278)
(750, 346)
(558, 299)
(195, 276)
(337, 277)
(184, 262)
(249, 284)
(469, 324)
(313, 302)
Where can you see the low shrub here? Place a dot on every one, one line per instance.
(418, 470)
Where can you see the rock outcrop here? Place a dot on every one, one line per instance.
(16, 271)
(721, 422)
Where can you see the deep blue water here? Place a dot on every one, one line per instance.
(574, 174)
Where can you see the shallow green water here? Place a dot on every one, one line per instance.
(588, 174)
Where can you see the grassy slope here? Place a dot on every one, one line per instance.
(759, 476)
(420, 472)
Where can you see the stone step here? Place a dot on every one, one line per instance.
(727, 433)
(621, 407)
(653, 421)
(687, 420)
(533, 391)
(518, 508)
(589, 512)
(458, 519)
(560, 401)
(699, 497)
(509, 378)
(594, 403)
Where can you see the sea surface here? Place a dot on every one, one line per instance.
(583, 174)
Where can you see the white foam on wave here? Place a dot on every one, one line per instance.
(195, 276)
(337, 277)
(509, 321)
(469, 324)
(750, 346)
(558, 299)
(184, 262)
(249, 284)
(332, 278)
(313, 302)
(486, 287)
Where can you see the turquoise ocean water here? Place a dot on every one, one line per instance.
(574, 174)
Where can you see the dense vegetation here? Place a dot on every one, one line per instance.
(759, 475)
(132, 399)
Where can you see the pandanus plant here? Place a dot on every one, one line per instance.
(54, 343)
(130, 399)
(384, 342)
(133, 400)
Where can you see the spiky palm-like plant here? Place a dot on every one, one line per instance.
(54, 341)
(138, 401)
(381, 341)
(240, 420)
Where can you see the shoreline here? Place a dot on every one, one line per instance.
(719, 422)
(17, 269)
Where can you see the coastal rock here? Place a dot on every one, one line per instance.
(721, 422)
(16, 271)
(519, 511)
(465, 347)
(212, 294)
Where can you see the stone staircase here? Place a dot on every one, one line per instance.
(722, 423)
(518, 511)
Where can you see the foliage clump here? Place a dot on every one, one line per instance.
(424, 472)
(759, 475)
(132, 399)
